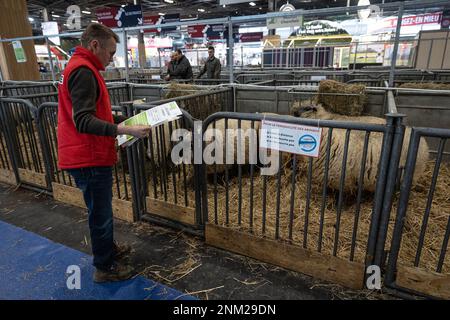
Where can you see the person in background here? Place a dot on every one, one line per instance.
(171, 65)
(212, 66)
(183, 69)
(86, 144)
(42, 68)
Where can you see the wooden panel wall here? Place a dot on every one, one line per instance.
(14, 23)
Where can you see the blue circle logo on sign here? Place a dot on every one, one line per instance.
(307, 143)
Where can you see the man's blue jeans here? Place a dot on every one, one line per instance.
(96, 184)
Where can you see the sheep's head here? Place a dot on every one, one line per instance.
(303, 111)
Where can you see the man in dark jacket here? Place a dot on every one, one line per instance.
(171, 65)
(183, 69)
(212, 66)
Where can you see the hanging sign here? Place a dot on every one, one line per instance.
(293, 138)
(250, 37)
(197, 31)
(152, 20)
(19, 52)
(129, 16)
(106, 16)
(215, 31)
(51, 27)
(284, 22)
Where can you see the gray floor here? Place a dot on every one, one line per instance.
(170, 256)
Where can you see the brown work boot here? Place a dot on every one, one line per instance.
(117, 272)
(121, 251)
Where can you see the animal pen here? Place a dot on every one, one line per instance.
(298, 218)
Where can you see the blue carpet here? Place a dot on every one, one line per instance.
(33, 267)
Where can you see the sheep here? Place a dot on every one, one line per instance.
(355, 151)
(232, 124)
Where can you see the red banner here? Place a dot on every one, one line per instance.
(250, 37)
(197, 31)
(151, 20)
(419, 19)
(107, 16)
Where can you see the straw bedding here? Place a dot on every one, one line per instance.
(311, 211)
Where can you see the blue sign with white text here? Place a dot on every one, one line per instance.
(129, 16)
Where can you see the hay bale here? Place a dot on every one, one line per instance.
(355, 151)
(175, 89)
(426, 85)
(350, 105)
(199, 107)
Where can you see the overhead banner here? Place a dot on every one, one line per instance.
(215, 31)
(152, 20)
(415, 20)
(250, 37)
(123, 17)
(106, 16)
(129, 16)
(284, 22)
(197, 31)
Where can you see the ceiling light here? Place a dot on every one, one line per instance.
(56, 16)
(161, 14)
(87, 12)
(252, 4)
(168, 1)
(224, 6)
(201, 10)
(30, 19)
(94, 21)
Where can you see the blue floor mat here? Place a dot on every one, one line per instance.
(33, 267)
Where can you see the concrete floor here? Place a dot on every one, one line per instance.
(169, 256)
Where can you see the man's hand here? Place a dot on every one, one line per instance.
(135, 131)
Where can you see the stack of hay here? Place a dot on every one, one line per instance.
(175, 89)
(348, 99)
(425, 85)
(199, 107)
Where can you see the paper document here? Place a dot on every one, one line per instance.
(152, 117)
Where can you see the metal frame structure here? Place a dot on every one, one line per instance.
(230, 21)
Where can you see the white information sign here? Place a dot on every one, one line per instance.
(152, 117)
(50, 28)
(293, 138)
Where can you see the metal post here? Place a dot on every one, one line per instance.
(399, 133)
(160, 64)
(354, 58)
(50, 59)
(242, 57)
(394, 52)
(230, 49)
(383, 168)
(125, 47)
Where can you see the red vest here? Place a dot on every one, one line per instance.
(80, 150)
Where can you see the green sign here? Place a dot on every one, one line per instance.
(19, 52)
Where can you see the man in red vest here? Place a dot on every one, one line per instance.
(86, 144)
